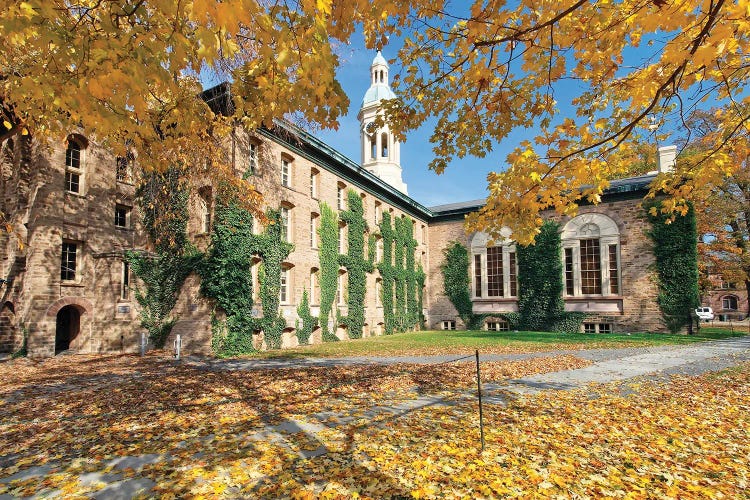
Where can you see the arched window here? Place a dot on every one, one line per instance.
(729, 303)
(373, 148)
(493, 266)
(591, 255)
(384, 145)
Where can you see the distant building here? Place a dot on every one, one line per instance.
(69, 287)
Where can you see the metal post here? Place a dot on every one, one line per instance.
(479, 394)
(177, 346)
(144, 341)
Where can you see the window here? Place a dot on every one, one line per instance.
(314, 184)
(424, 235)
(341, 289)
(597, 328)
(729, 303)
(373, 149)
(379, 250)
(314, 285)
(448, 325)
(286, 172)
(614, 285)
(495, 272)
(283, 289)
(384, 145)
(314, 230)
(498, 326)
(69, 261)
(255, 277)
(569, 279)
(591, 272)
(494, 267)
(122, 216)
(378, 212)
(512, 274)
(285, 224)
(125, 282)
(378, 292)
(204, 212)
(477, 275)
(252, 159)
(591, 263)
(73, 167)
(342, 239)
(340, 198)
(124, 166)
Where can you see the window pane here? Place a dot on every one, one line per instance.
(73, 155)
(512, 274)
(614, 278)
(478, 275)
(72, 182)
(68, 261)
(591, 272)
(569, 280)
(495, 272)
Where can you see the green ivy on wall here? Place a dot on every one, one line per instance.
(675, 250)
(357, 266)
(456, 284)
(540, 285)
(401, 278)
(329, 267)
(387, 274)
(163, 198)
(226, 277)
(309, 322)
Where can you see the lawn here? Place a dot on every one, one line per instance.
(463, 342)
(78, 426)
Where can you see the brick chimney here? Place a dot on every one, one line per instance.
(667, 157)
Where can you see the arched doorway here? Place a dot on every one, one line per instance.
(67, 327)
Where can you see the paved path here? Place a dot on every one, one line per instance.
(609, 365)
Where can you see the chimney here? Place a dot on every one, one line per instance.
(666, 160)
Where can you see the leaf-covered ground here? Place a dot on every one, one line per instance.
(368, 431)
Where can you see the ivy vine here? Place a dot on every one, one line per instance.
(456, 284)
(309, 322)
(540, 285)
(163, 197)
(401, 291)
(357, 266)
(675, 250)
(329, 267)
(226, 278)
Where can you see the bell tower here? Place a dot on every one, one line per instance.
(381, 153)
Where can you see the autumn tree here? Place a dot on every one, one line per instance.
(723, 209)
(584, 75)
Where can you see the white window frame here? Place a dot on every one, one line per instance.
(284, 286)
(72, 169)
(479, 244)
(65, 262)
(285, 214)
(286, 172)
(589, 226)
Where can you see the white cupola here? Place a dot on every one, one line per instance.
(381, 153)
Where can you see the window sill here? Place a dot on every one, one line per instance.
(73, 193)
(72, 284)
(123, 228)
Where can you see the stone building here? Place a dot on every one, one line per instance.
(69, 287)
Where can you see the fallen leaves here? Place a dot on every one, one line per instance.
(364, 431)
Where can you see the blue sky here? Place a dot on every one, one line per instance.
(465, 179)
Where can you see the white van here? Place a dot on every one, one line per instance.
(705, 313)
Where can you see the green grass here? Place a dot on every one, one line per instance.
(444, 342)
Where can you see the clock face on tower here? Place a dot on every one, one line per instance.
(370, 128)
